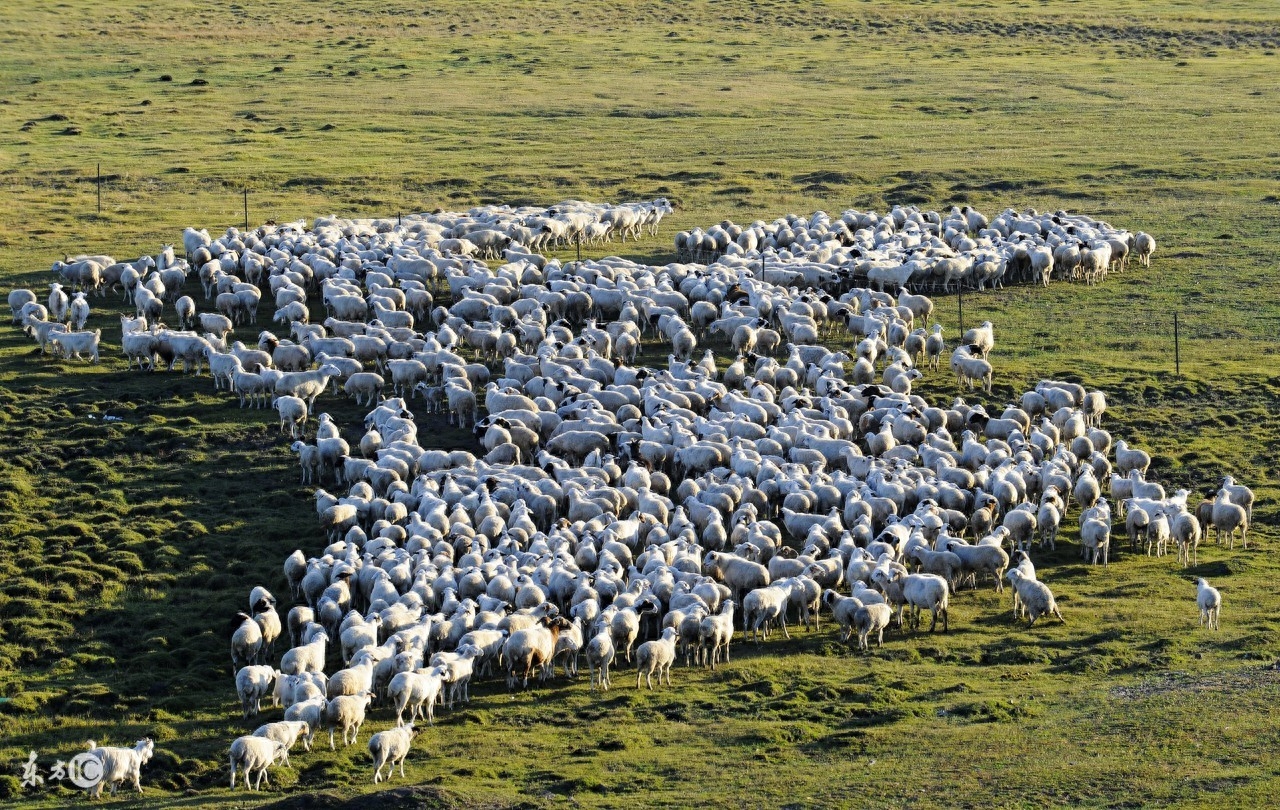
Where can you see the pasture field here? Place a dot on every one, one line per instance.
(128, 546)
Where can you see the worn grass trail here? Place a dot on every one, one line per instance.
(128, 546)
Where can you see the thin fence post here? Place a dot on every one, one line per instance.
(99, 188)
(1177, 352)
(399, 221)
(960, 305)
(578, 243)
(246, 209)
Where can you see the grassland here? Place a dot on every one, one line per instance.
(129, 545)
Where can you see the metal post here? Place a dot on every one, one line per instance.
(99, 188)
(1177, 353)
(246, 209)
(960, 301)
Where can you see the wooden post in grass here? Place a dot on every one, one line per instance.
(99, 188)
(1177, 353)
(960, 304)
(578, 242)
(246, 209)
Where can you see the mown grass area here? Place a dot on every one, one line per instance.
(130, 545)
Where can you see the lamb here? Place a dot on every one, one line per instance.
(120, 764)
(1210, 603)
(600, 654)
(656, 656)
(1034, 596)
(285, 732)
(346, 712)
(255, 754)
(945, 564)
(293, 414)
(71, 344)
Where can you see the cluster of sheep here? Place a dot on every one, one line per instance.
(619, 510)
(914, 249)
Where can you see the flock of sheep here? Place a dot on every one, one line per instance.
(624, 511)
(923, 250)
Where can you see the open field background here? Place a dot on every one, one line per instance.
(128, 546)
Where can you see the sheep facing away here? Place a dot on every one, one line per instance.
(390, 747)
(1210, 603)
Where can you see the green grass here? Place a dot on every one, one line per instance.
(130, 545)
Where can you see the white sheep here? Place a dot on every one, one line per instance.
(293, 414)
(391, 747)
(255, 754)
(926, 591)
(1033, 596)
(286, 732)
(1210, 603)
(1228, 517)
(17, 300)
(246, 642)
(874, 617)
(656, 656)
(253, 683)
(71, 344)
(119, 765)
(600, 653)
(418, 691)
(78, 311)
(346, 713)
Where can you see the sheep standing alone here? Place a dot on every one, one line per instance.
(390, 747)
(1210, 603)
(1033, 596)
(118, 765)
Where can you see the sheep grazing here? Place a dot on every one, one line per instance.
(390, 747)
(255, 755)
(118, 765)
(1210, 603)
(1034, 596)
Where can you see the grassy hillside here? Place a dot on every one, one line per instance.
(130, 545)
